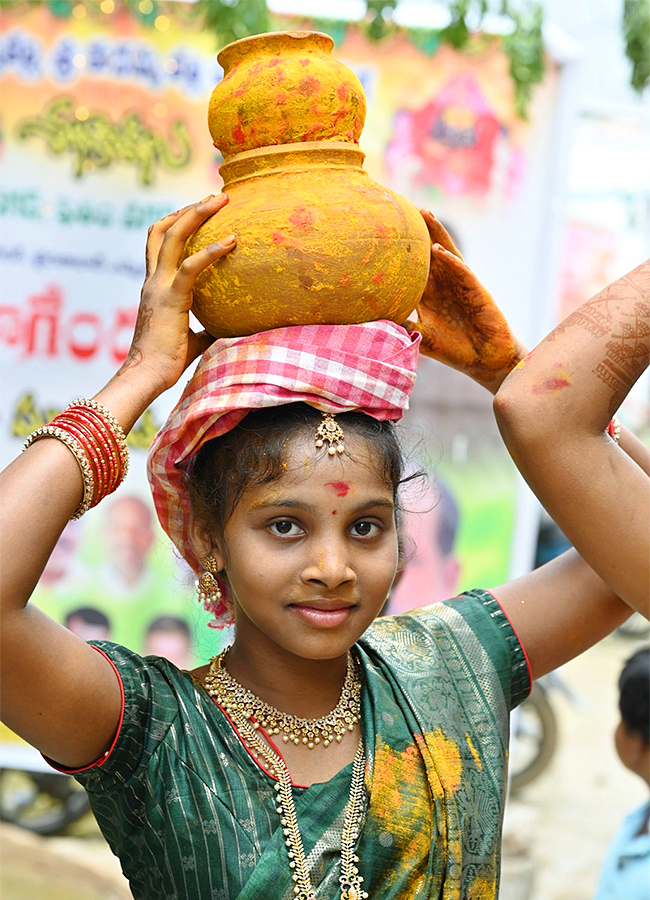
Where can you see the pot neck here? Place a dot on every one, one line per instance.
(286, 157)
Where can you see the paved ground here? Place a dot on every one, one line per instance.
(556, 834)
(79, 867)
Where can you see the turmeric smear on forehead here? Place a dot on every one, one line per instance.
(273, 497)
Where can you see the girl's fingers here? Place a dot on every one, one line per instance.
(155, 237)
(438, 233)
(433, 226)
(445, 259)
(197, 344)
(192, 266)
(173, 243)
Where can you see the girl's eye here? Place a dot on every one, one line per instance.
(365, 529)
(285, 528)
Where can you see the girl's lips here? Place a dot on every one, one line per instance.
(323, 618)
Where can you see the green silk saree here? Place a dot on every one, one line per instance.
(191, 815)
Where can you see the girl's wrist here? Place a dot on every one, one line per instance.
(519, 355)
(130, 392)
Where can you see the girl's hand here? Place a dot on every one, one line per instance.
(163, 342)
(461, 325)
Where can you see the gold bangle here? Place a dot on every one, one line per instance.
(77, 451)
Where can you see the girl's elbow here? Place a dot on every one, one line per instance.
(521, 420)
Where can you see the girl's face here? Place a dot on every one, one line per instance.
(310, 557)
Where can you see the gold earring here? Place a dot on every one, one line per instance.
(207, 587)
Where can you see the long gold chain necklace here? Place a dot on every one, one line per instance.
(350, 881)
(234, 698)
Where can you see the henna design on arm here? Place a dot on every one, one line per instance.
(135, 354)
(461, 325)
(626, 353)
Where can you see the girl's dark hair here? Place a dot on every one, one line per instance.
(634, 693)
(254, 453)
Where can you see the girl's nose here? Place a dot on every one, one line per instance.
(329, 567)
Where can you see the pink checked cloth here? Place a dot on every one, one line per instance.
(335, 368)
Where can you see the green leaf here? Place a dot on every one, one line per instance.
(525, 49)
(636, 32)
(377, 23)
(231, 20)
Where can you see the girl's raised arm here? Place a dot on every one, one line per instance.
(57, 692)
(564, 607)
(553, 412)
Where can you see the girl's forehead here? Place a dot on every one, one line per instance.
(306, 468)
(304, 462)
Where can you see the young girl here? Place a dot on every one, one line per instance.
(324, 754)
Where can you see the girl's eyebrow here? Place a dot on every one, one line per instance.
(272, 503)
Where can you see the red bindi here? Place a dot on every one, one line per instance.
(341, 487)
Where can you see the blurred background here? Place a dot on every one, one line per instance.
(524, 126)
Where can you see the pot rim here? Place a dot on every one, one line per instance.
(288, 38)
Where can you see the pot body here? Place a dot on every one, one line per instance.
(318, 242)
(282, 88)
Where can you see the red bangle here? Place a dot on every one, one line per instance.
(95, 447)
(111, 464)
(109, 425)
(614, 430)
(98, 443)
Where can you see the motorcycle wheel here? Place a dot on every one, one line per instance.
(41, 802)
(535, 739)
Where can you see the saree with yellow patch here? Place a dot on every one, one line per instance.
(192, 816)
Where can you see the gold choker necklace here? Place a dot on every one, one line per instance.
(238, 701)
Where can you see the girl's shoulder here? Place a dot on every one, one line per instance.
(154, 677)
(161, 705)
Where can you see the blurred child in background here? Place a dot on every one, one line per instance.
(626, 872)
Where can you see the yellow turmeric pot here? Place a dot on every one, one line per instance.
(317, 242)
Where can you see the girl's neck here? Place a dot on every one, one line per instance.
(308, 688)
